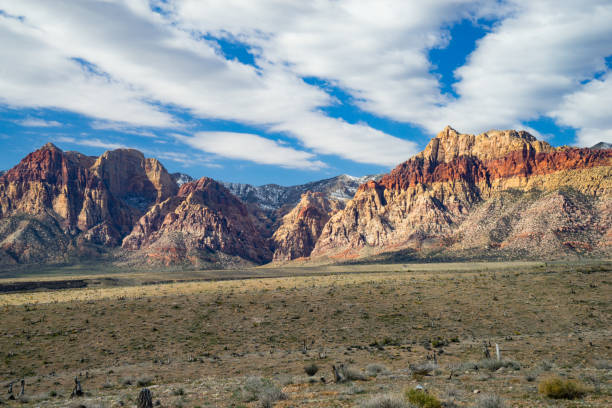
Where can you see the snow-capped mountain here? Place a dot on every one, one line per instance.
(602, 145)
(272, 196)
(181, 178)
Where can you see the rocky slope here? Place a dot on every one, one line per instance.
(181, 178)
(203, 221)
(300, 229)
(72, 200)
(55, 206)
(443, 200)
(500, 194)
(270, 204)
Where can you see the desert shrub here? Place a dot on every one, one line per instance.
(285, 379)
(468, 365)
(492, 364)
(558, 388)
(127, 381)
(545, 365)
(490, 401)
(354, 389)
(374, 369)
(439, 342)
(425, 368)
(602, 364)
(311, 369)
(144, 381)
(178, 391)
(262, 390)
(384, 401)
(452, 393)
(422, 399)
(348, 373)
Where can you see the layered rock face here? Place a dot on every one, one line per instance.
(100, 198)
(424, 202)
(301, 227)
(56, 204)
(202, 221)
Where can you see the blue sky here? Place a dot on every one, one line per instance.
(288, 92)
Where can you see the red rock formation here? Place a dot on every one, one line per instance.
(423, 202)
(98, 200)
(203, 219)
(301, 227)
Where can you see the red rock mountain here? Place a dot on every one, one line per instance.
(204, 220)
(498, 193)
(55, 205)
(300, 229)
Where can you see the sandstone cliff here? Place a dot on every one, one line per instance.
(66, 201)
(424, 202)
(300, 228)
(202, 221)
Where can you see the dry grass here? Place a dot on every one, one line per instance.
(559, 388)
(208, 338)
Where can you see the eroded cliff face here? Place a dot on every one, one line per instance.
(77, 199)
(424, 201)
(300, 229)
(501, 193)
(202, 221)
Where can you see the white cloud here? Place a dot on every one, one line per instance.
(377, 52)
(139, 58)
(537, 55)
(36, 122)
(91, 143)
(246, 146)
(523, 69)
(118, 61)
(121, 127)
(183, 158)
(588, 109)
(37, 72)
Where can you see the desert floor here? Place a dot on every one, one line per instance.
(196, 341)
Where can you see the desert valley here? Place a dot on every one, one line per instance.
(474, 274)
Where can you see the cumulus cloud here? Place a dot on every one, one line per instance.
(523, 69)
(37, 72)
(536, 55)
(129, 67)
(588, 109)
(122, 71)
(254, 148)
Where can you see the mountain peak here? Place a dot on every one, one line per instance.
(601, 146)
(50, 146)
(450, 144)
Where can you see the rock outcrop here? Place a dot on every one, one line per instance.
(65, 201)
(423, 202)
(301, 227)
(500, 194)
(201, 222)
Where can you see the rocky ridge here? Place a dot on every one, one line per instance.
(201, 221)
(300, 229)
(56, 206)
(602, 145)
(272, 197)
(500, 194)
(422, 204)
